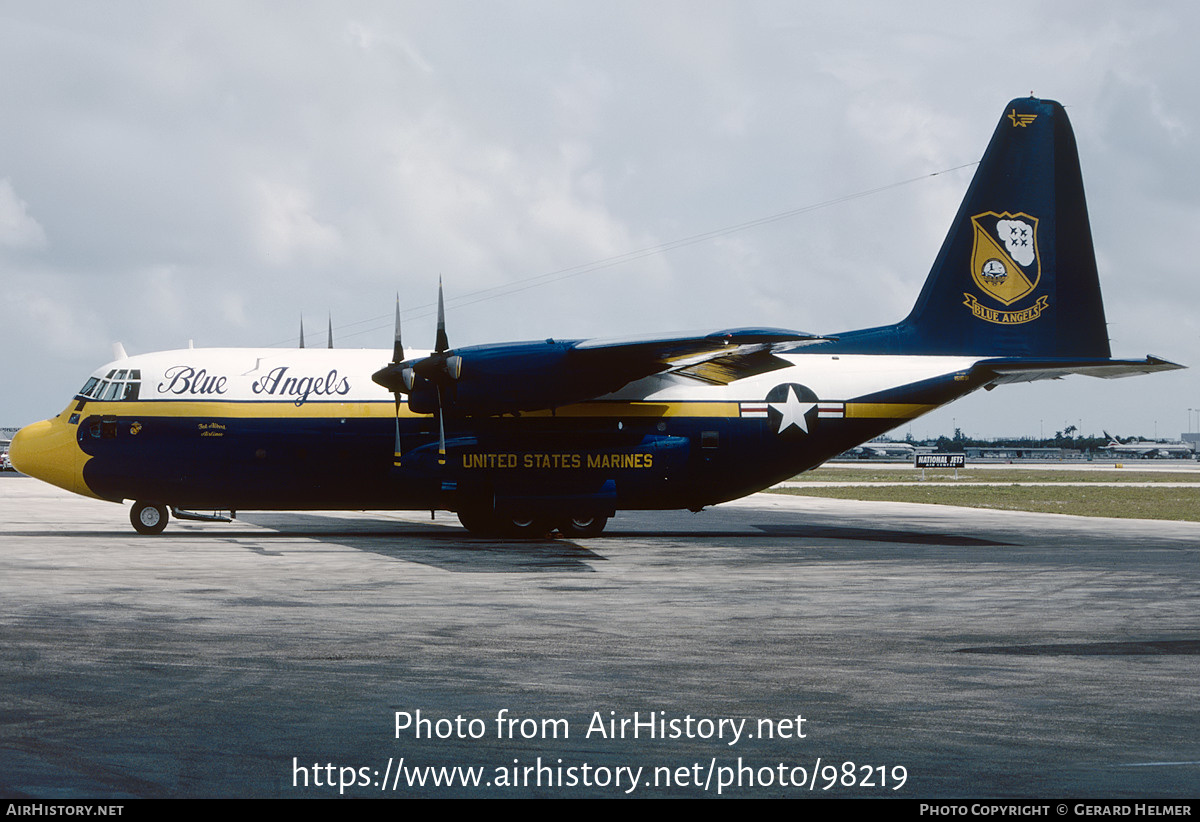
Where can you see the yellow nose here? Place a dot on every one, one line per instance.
(49, 451)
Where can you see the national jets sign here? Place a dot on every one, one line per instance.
(940, 461)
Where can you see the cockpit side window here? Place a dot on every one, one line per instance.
(86, 391)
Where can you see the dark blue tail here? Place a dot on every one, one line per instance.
(1016, 276)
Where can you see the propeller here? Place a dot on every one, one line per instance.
(441, 368)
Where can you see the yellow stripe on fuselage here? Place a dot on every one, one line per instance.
(644, 409)
(886, 410)
(386, 409)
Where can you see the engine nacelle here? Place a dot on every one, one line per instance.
(505, 379)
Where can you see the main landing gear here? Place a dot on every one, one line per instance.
(487, 523)
(582, 525)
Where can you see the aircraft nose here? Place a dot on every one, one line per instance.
(49, 451)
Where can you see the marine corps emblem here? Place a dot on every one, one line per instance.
(1006, 265)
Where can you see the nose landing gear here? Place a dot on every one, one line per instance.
(149, 518)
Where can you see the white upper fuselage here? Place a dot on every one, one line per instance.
(301, 376)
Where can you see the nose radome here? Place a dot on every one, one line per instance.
(48, 451)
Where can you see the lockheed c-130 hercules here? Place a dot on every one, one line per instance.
(521, 438)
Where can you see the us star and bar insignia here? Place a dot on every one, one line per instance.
(791, 406)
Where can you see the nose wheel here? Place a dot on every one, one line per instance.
(149, 517)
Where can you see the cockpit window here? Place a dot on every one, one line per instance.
(115, 387)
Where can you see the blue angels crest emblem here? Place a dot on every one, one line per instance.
(1006, 265)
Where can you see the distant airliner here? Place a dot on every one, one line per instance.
(1147, 448)
(885, 450)
(521, 438)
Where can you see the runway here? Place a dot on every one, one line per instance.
(932, 652)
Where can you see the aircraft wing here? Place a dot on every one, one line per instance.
(675, 346)
(1019, 369)
(716, 357)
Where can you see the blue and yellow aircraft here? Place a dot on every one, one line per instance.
(521, 438)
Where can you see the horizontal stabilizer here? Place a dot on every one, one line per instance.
(1016, 369)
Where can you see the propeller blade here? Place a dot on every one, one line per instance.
(301, 330)
(397, 346)
(441, 430)
(397, 357)
(396, 451)
(331, 330)
(442, 344)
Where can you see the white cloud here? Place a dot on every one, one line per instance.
(286, 231)
(17, 228)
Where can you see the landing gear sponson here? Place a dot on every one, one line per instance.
(149, 518)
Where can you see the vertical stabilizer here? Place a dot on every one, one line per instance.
(1016, 275)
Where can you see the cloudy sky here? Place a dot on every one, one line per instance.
(178, 171)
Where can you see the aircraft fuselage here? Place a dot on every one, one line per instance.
(299, 429)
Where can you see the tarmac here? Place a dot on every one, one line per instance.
(775, 646)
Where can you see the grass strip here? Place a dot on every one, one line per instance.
(995, 475)
(1131, 502)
